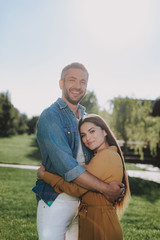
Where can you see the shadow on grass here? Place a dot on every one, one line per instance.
(146, 189)
(35, 154)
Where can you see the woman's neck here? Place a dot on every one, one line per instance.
(102, 147)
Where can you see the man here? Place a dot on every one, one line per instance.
(61, 149)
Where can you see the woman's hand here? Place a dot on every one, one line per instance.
(40, 172)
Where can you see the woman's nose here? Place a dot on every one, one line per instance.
(87, 137)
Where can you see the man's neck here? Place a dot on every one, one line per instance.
(73, 107)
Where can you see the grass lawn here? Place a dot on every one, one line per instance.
(20, 149)
(18, 206)
(141, 220)
(132, 166)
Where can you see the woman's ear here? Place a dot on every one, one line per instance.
(104, 133)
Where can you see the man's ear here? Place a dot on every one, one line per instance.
(61, 84)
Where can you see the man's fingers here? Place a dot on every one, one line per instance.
(121, 185)
(122, 193)
(41, 168)
(123, 190)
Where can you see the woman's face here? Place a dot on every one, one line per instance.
(93, 136)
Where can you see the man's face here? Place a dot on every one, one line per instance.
(74, 85)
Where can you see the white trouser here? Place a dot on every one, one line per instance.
(54, 221)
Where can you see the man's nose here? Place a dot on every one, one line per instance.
(77, 84)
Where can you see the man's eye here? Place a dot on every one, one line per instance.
(84, 82)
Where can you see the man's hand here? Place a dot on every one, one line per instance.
(114, 191)
(40, 172)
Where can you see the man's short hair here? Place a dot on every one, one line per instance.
(73, 65)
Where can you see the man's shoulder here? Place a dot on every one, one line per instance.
(48, 112)
(51, 109)
(54, 111)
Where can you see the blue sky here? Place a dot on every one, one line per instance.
(118, 42)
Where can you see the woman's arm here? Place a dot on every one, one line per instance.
(106, 166)
(59, 184)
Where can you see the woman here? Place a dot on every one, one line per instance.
(97, 217)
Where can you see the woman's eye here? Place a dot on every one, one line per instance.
(92, 131)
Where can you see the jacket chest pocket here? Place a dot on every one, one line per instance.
(70, 134)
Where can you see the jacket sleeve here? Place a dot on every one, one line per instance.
(106, 166)
(55, 149)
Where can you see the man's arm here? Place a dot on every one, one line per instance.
(112, 191)
(52, 137)
(55, 149)
(99, 168)
(106, 166)
(60, 185)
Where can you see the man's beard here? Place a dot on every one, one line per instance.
(74, 102)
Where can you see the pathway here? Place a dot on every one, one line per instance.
(153, 173)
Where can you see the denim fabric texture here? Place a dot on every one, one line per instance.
(58, 139)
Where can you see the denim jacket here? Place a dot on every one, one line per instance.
(58, 139)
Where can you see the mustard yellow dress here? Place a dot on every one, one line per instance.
(98, 219)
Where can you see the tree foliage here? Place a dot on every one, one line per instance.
(7, 116)
(32, 123)
(121, 117)
(90, 102)
(11, 120)
(156, 108)
(132, 121)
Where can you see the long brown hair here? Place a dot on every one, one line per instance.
(112, 141)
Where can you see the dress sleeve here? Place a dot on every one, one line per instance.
(106, 166)
(60, 185)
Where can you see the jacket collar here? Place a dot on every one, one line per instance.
(62, 104)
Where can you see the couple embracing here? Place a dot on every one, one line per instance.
(82, 183)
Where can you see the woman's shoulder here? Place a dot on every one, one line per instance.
(107, 158)
(109, 152)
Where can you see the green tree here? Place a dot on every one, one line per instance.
(11, 120)
(7, 116)
(21, 126)
(121, 117)
(32, 123)
(144, 128)
(132, 122)
(106, 116)
(90, 102)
